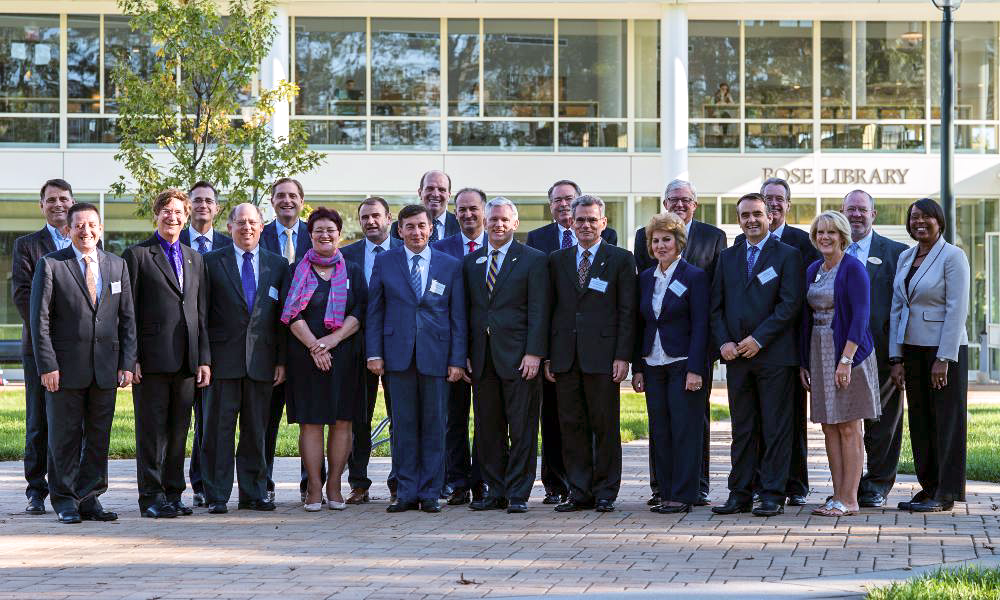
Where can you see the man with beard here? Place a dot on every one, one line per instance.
(435, 192)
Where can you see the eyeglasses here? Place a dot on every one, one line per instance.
(859, 210)
(680, 200)
(246, 223)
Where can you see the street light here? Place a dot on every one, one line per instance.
(947, 112)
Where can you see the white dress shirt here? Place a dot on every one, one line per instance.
(194, 234)
(96, 266)
(500, 256)
(61, 242)
(425, 264)
(255, 261)
(657, 357)
(479, 243)
(370, 255)
(592, 249)
(864, 246)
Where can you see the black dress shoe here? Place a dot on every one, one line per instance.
(732, 507)
(430, 506)
(605, 506)
(768, 508)
(665, 509)
(182, 509)
(479, 491)
(160, 511)
(199, 500)
(398, 507)
(447, 490)
(654, 500)
(69, 517)
(572, 505)
(554, 498)
(488, 504)
(931, 505)
(218, 508)
(517, 506)
(99, 515)
(796, 500)
(36, 506)
(262, 505)
(702, 501)
(458, 498)
(920, 496)
(875, 500)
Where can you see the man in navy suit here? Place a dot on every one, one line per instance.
(421, 345)
(434, 192)
(462, 472)
(375, 218)
(204, 209)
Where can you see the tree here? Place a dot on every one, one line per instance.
(188, 103)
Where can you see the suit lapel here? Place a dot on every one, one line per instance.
(509, 262)
(263, 277)
(758, 264)
(104, 264)
(189, 280)
(160, 260)
(229, 266)
(926, 265)
(75, 267)
(598, 265)
(405, 269)
(479, 276)
(48, 246)
(875, 249)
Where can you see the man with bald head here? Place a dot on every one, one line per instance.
(245, 286)
(434, 191)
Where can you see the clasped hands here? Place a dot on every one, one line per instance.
(747, 348)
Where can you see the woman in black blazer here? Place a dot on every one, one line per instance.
(671, 361)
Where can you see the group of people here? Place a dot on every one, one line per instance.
(448, 313)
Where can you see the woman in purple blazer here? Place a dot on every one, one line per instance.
(838, 365)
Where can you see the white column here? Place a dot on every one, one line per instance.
(274, 68)
(674, 92)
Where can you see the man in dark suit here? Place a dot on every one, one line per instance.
(421, 345)
(56, 198)
(704, 245)
(375, 218)
(506, 289)
(204, 209)
(593, 293)
(883, 436)
(83, 339)
(288, 236)
(547, 239)
(462, 472)
(756, 296)
(248, 345)
(434, 192)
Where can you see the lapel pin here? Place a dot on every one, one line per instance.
(602, 264)
(513, 259)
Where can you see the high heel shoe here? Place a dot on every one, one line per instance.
(334, 505)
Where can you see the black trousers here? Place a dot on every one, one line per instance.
(506, 421)
(589, 419)
(676, 421)
(760, 405)
(361, 451)
(798, 466)
(194, 468)
(79, 425)
(883, 440)
(162, 418)
(36, 439)
(277, 409)
(706, 442)
(553, 470)
(462, 470)
(938, 426)
(229, 401)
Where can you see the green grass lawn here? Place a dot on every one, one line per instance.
(984, 431)
(959, 584)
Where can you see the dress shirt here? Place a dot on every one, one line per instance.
(657, 357)
(777, 232)
(500, 256)
(370, 255)
(283, 235)
(479, 243)
(96, 266)
(177, 261)
(425, 264)
(438, 224)
(62, 242)
(572, 234)
(864, 247)
(593, 251)
(195, 234)
(255, 261)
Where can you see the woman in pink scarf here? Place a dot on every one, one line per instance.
(323, 308)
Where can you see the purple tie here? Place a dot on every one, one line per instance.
(246, 274)
(567, 239)
(174, 256)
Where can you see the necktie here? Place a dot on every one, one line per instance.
(246, 276)
(174, 256)
(289, 246)
(415, 276)
(91, 277)
(202, 244)
(434, 231)
(853, 249)
(567, 239)
(584, 267)
(751, 259)
(491, 275)
(377, 250)
(472, 247)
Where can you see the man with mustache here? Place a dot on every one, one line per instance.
(434, 192)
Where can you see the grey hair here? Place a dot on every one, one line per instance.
(871, 199)
(500, 201)
(232, 213)
(777, 181)
(588, 200)
(679, 183)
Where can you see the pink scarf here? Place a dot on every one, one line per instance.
(304, 282)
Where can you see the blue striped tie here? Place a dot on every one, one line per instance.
(415, 276)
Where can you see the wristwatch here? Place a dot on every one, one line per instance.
(844, 360)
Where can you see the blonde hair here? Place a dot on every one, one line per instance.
(666, 223)
(839, 222)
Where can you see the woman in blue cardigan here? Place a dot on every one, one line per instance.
(838, 365)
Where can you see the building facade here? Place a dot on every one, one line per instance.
(510, 96)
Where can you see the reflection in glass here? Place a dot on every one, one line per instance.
(870, 136)
(406, 135)
(592, 68)
(600, 137)
(975, 70)
(463, 67)
(835, 72)
(510, 136)
(91, 131)
(406, 71)
(517, 67)
(30, 131)
(330, 66)
(779, 136)
(29, 63)
(83, 57)
(714, 136)
(968, 138)
(647, 68)
(778, 69)
(890, 62)
(122, 45)
(714, 69)
(336, 135)
(647, 137)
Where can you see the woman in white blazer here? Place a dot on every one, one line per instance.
(928, 351)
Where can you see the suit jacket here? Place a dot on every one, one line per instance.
(355, 251)
(244, 342)
(170, 322)
(704, 245)
(546, 238)
(451, 226)
(86, 344)
(683, 320)
(796, 238)
(269, 239)
(593, 327)
(430, 330)
(514, 319)
(454, 246)
(934, 309)
(219, 240)
(27, 250)
(881, 275)
(769, 311)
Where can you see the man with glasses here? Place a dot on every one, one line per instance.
(704, 245)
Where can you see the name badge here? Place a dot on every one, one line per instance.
(273, 293)
(766, 275)
(347, 284)
(677, 288)
(436, 287)
(598, 285)
(874, 260)
(116, 287)
(480, 260)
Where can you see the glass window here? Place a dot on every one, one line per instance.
(510, 136)
(29, 63)
(406, 135)
(647, 69)
(330, 66)
(83, 58)
(123, 45)
(91, 131)
(890, 67)
(778, 69)
(647, 137)
(602, 137)
(33, 131)
(714, 69)
(336, 135)
(517, 67)
(779, 136)
(406, 67)
(871, 136)
(975, 70)
(463, 67)
(835, 72)
(714, 136)
(592, 68)
(973, 139)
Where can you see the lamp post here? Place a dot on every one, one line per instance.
(947, 112)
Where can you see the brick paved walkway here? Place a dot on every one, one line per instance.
(366, 553)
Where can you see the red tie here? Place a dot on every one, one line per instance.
(472, 247)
